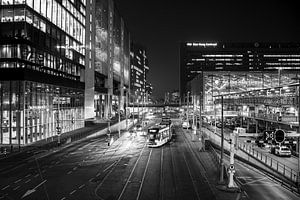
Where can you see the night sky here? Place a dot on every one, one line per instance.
(160, 25)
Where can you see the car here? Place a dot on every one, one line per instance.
(186, 124)
(139, 127)
(282, 151)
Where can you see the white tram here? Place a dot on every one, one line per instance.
(160, 134)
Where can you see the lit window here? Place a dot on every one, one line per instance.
(49, 8)
(43, 8)
(37, 5)
(54, 12)
(19, 14)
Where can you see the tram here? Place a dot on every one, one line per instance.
(160, 134)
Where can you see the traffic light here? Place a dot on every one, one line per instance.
(58, 130)
(279, 136)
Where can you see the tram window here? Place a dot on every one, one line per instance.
(152, 136)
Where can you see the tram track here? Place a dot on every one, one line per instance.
(173, 171)
(131, 173)
(161, 189)
(114, 166)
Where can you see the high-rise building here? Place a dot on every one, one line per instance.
(61, 62)
(138, 71)
(211, 69)
(42, 69)
(107, 60)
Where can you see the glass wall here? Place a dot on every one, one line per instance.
(62, 35)
(32, 111)
(218, 83)
(101, 47)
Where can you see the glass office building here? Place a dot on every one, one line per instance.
(139, 71)
(223, 68)
(257, 80)
(110, 60)
(42, 69)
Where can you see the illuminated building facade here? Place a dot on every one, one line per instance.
(211, 69)
(138, 71)
(42, 69)
(107, 74)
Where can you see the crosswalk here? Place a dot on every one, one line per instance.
(249, 180)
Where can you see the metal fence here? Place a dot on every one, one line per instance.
(279, 167)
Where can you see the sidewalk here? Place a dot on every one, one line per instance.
(211, 168)
(52, 142)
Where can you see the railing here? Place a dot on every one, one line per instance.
(274, 164)
(273, 117)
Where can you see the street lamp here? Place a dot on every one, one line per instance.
(188, 107)
(222, 144)
(298, 140)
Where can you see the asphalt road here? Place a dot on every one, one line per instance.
(257, 185)
(92, 169)
(289, 162)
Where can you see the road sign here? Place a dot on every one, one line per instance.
(268, 135)
(58, 130)
(279, 135)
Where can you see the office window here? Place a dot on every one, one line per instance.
(43, 26)
(59, 15)
(36, 5)
(49, 9)
(43, 8)
(29, 3)
(19, 14)
(36, 22)
(19, 1)
(54, 16)
(29, 17)
(63, 22)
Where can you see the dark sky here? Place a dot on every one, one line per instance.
(160, 25)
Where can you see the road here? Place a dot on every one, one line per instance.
(257, 185)
(289, 162)
(126, 169)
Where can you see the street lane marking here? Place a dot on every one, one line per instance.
(5, 187)
(27, 175)
(63, 198)
(254, 181)
(44, 171)
(16, 188)
(81, 186)
(36, 175)
(28, 180)
(74, 168)
(69, 172)
(109, 167)
(17, 181)
(72, 192)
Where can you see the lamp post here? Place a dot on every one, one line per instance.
(188, 107)
(298, 139)
(126, 114)
(222, 145)
(119, 117)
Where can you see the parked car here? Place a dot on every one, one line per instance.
(139, 127)
(282, 151)
(186, 124)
